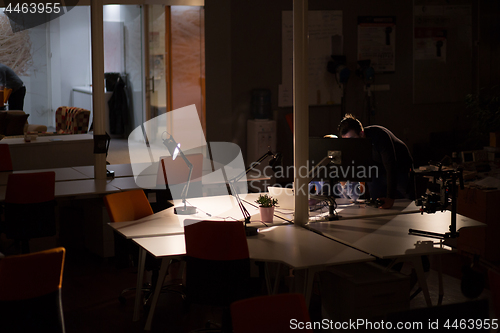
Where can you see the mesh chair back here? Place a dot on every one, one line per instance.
(272, 313)
(127, 206)
(5, 159)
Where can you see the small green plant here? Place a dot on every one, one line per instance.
(266, 201)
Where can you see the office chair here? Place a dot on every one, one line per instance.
(272, 313)
(5, 158)
(494, 281)
(217, 264)
(173, 173)
(29, 207)
(30, 292)
(130, 206)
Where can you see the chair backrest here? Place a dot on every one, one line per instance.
(28, 188)
(272, 313)
(30, 207)
(72, 120)
(30, 291)
(217, 262)
(31, 275)
(176, 171)
(216, 240)
(5, 159)
(127, 206)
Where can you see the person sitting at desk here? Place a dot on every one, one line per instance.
(9, 79)
(391, 156)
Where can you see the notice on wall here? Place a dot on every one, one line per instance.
(442, 51)
(430, 43)
(377, 42)
(325, 37)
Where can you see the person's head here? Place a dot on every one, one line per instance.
(350, 127)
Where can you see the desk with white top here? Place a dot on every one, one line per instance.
(62, 174)
(376, 232)
(51, 151)
(291, 245)
(166, 223)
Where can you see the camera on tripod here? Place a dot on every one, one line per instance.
(442, 195)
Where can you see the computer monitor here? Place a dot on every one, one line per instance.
(351, 159)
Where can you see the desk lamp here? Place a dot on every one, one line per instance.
(276, 160)
(332, 157)
(175, 149)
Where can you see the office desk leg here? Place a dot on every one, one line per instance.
(268, 279)
(419, 269)
(277, 279)
(165, 262)
(303, 283)
(140, 281)
(440, 277)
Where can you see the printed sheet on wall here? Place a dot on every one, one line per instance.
(442, 53)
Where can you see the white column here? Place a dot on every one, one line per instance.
(300, 110)
(96, 24)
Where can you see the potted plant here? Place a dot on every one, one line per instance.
(266, 207)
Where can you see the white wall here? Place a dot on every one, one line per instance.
(73, 59)
(37, 101)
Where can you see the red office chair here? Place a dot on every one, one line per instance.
(217, 264)
(30, 292)
(289, 120)
(271, 313)
(5, 159)
(30, 207)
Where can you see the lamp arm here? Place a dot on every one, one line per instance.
(244, 211)
(186, 187)
(310, 175)
(252, 166)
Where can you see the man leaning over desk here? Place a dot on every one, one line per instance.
(391, 156)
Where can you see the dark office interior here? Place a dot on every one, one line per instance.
(428, 103)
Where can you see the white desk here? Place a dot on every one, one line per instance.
(291, 245)
(84, 187)
(166, 223)
(76, 188)
(387, 236)
(121, 170)
(43, 153)
(62, 174)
